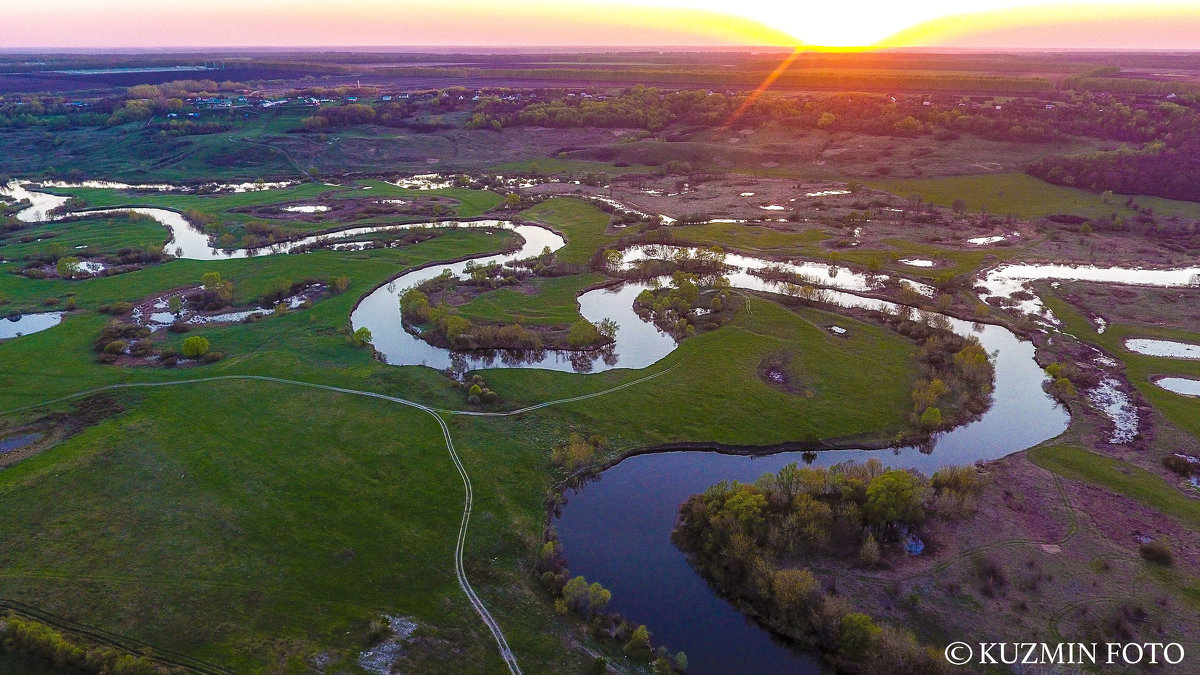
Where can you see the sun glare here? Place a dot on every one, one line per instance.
(875, 23)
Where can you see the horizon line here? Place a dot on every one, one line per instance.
(425, 49)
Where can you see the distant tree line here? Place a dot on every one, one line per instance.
(1164, 168)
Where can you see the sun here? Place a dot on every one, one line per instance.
(877, 23)
(848, 23)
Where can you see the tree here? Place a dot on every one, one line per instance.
(794, 590)
(868, 553)
(175, 304)
(212, 281)
(598, 597)
(67, 267)
(361, 337)
(857, 632)
(576, 593)
(512, 200)
(638, 646)
(893, 497)
(931, 418)
(746, 506)
(194, 347)
(583, 333)
(339, 283)
(414, 305)
(608, 328)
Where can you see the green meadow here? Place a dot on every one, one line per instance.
(262, 525)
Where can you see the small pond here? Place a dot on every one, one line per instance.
(1165, 348)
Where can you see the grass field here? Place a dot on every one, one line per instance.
(105, 234)
(581, 223)
(859, 385)
(28, 375)
(552, 302)
(262, 553)
(808, 243)
(1183, 411)
(1120, 477)
(1025, 196)
(461, 202)
(283, 546)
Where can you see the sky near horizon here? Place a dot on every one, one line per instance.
(1024, 24)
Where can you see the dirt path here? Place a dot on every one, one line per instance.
(469, 494)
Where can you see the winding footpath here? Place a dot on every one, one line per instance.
(468, 499)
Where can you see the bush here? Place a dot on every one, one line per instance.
(120, 307)
(1178, 464)
(638, 647)
(583, 333)
(361, 337)
(194, 347)
(857, 632)
(868, 553)
(1157, 552)
(67, 267)
(115, 347)
(141, 349)
(212, 357)
(931, 418)
(37, 639)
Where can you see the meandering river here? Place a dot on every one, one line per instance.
(616, 529)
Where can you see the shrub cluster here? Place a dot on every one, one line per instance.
(37, 639)
(736, 535)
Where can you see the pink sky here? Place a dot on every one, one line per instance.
(1112, 24)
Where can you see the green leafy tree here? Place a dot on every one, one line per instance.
(931, 418)
(856, 634)
(746, 507)
(339, 283)
(893, 497)
(415, 306)
(67, 267)
(361, 337)
(598, 597)
(638, 647)
(213, 282)
(194, 347)
(576, 593)
(583, 333)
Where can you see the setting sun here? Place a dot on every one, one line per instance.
(848, 24)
